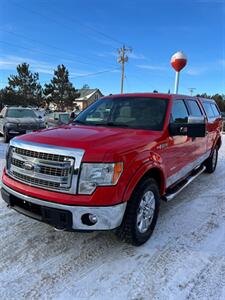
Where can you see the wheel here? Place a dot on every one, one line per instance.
(6, 136)
(211, 162)
(141, 214)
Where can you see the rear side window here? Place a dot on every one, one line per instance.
(208, 109)
(215, 110)
(179, 112)
(195, 109)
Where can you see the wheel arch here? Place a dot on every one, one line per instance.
(154, 172)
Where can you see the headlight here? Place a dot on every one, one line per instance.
(98, 174)
(9, 125)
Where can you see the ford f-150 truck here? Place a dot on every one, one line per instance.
(113, 165)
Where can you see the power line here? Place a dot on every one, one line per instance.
(97, 31)
(54, 47)
(63, 24)
(45, 53)
(96, 73)
(82, 76)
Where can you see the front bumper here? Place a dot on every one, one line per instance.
(67, 217)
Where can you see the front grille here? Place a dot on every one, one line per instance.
(41, 169)
(28, 126)
(35, 181)
(40, 155)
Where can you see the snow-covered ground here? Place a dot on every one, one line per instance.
(184, 259)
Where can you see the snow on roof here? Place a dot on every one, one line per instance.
(85, 94)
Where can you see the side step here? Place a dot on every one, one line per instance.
(177, 189)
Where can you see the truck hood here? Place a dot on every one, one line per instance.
(98, 142)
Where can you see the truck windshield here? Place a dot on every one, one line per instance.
(131, 112)
(20, 113)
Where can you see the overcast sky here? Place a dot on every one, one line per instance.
(85, 36)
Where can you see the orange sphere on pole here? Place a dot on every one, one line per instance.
(178, 62)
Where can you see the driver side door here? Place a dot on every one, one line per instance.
(179, 152)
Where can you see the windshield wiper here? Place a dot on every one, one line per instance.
(110, 124)
(116, 124)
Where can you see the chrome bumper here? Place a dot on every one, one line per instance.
(108, 217)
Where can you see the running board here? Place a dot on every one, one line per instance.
(174, 192)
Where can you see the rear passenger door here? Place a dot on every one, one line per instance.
(214, 119)
(199, 145)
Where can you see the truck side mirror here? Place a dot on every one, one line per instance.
(195, 127)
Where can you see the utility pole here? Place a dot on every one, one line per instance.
(191, 91)
(122, 58)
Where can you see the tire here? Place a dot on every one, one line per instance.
(6, 136)
(211, 162)
(132, 230)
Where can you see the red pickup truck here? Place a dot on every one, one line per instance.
(113, 165)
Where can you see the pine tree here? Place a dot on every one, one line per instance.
(24, 87)
(60, 90)
(85, 86)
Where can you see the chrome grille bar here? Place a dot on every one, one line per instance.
(51, 167)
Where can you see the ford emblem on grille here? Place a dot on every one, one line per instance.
(28, 166)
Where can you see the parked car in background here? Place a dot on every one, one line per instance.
(19, 120)
(57, 119)
(40, 112)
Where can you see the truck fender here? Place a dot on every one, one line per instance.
(143, 171)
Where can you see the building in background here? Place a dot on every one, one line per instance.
(87, 96)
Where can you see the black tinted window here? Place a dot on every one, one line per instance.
(179, 112)
(208, 109)
(131, 112)
(215, 110)
(194, 107)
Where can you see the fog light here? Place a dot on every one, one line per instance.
(93, 219)
(89, 219)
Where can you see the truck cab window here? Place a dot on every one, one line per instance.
(179, 112)
(208, 109)
(194, 108)
(215, 110)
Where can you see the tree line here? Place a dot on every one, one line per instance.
(24, 88)
(220, 99)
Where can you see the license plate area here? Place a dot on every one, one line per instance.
(59, 218)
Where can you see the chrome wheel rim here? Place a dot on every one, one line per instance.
(146, 211)
(214, 158)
